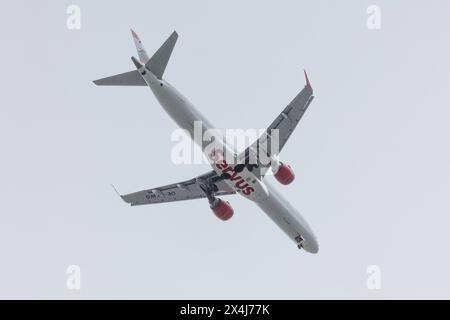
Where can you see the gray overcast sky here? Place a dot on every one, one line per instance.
(371, 155)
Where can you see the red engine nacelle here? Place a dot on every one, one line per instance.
(222, 209)
(284, 174)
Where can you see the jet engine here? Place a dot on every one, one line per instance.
(282, 172)
(222, 209)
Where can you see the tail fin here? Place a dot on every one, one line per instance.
(140, 48)
(158, 62)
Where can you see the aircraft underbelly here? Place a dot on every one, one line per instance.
(180, 109)
(288, 219)
(185, 114)
(266, 197)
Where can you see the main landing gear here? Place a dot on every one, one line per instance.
(221, 208)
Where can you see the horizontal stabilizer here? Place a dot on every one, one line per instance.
(158, 62)
(131, 78)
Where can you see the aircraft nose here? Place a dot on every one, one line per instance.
(312, 246)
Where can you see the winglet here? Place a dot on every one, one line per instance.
(308, 84)
(121, 197)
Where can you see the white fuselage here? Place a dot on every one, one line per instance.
(263, 194)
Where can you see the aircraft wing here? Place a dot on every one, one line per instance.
(185, 190)
(285, 123)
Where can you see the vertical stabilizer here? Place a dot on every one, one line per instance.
(140, 48)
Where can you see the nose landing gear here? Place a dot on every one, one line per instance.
(300, 241)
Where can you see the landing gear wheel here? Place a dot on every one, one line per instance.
(225, 176)
(300, 241)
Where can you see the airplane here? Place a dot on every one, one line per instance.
(227, 177)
